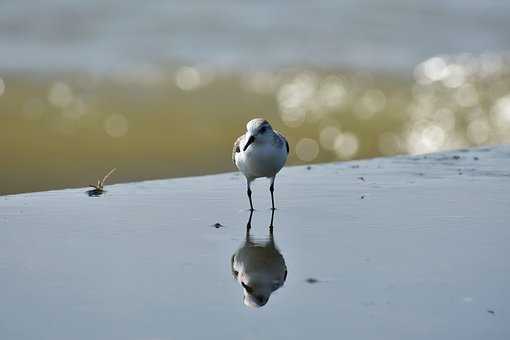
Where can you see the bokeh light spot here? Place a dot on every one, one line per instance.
(426, 139)
(307, 149)
(331, 92)
(456, 76)
(2, 86)
(293, 117)
(371, 102)
(187, 78)
(501, 112)
(346, 145)
(445, 118)
(466, 96)
(435, 68)
(60, 95)
(116, 125)
(328, 136)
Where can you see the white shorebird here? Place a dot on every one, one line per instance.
(260, 152)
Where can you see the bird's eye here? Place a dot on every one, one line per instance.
(248, 288)
(262, 129)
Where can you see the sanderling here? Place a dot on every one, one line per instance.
(260, 152)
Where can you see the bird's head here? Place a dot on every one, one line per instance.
(260, 270)
(257, 291)
(257, 129)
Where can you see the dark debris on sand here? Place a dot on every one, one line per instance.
(95, 192)
(218, 225)
(311, 280)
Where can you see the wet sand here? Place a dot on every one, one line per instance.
(412, 247)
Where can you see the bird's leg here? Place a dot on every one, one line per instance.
(271, 189)
(249, 194)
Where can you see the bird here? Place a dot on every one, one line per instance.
(259, 267)
(260, 152)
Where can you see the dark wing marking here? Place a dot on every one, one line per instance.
(237, 148)
(285, 140)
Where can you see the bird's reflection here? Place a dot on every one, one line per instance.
(259, 267)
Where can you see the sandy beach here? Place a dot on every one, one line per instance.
(412, 247)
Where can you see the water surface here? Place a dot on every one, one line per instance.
(389, 248)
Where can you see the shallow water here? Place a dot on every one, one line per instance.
(388, 248)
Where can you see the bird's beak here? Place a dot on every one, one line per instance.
(250, 140)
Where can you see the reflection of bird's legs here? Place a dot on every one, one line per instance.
(248, 227)
(271, 224)
(248, 183)
(271, 189)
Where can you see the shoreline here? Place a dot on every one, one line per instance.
(349, 163)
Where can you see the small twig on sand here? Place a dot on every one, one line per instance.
(100, 183)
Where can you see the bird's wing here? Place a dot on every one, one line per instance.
(237, 148)
(285, 140)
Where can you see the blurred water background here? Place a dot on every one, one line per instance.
(162, 89)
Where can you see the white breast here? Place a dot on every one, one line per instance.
(261, 159)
